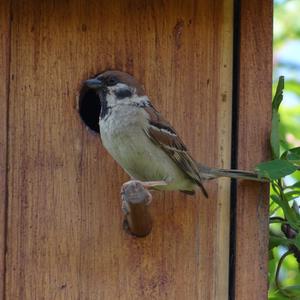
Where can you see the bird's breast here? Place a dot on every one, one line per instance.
(124, 138)
(121, 119)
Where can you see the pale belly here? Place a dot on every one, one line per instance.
(140, 157)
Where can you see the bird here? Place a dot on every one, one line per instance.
(143, 142)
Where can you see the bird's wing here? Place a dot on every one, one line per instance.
(162, 133)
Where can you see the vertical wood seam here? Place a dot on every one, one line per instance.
(234, 143)
(7, 113)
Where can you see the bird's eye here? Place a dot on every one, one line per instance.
(112, 81)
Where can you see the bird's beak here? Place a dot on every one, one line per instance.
(94, 83)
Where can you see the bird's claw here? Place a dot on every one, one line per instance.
(125, 207)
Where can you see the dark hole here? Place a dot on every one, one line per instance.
(89, 108)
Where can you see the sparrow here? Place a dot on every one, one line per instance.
(143, 142)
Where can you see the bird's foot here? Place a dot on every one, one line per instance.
(151, 184)
(145, 184)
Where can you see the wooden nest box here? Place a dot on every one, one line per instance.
(207, 66)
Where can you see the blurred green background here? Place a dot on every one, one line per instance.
(286, 49)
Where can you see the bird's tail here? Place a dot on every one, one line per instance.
(210, 173)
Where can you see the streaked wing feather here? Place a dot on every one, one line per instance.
(161, 132)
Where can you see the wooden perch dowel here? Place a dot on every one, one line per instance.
(135, 201)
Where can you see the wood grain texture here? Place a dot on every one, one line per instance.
(4, 94)
(221, 275)
(65, 237)
(254, 114)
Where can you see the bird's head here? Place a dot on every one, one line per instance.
(114, 87)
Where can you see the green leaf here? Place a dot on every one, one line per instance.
(296, 207)
(292, 155)
(277, 221)
(275, 169)
(292, 195)
(275, 241)
(278, 94)
(293, 186)
(271, 256)
(297, 241)
(293, 291)
(276, 199)
(289, 213)
(278, 297)
(275, 136)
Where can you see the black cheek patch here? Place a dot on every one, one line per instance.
(123, 93)
(104, 107)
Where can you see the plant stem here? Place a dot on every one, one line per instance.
(277, 273)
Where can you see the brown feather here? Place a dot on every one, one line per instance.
(125, 78)
(161, 132)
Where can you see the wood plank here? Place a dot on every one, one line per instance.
(4, 92)
(255, 88)
(221, 275)
(65, 238)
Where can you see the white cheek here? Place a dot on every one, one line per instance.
(119, 86)
(133, 99)
(110, 98)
